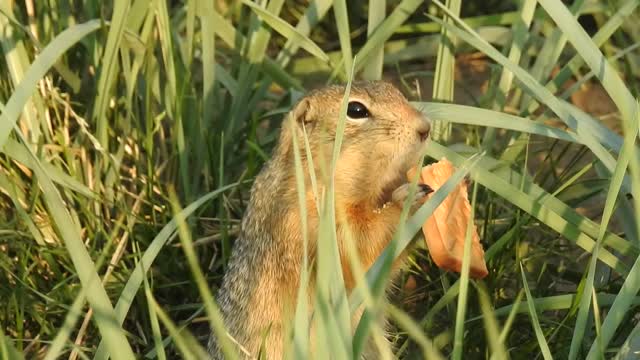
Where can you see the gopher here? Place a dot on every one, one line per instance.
(382, 140)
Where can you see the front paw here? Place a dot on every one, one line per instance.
(400, 195)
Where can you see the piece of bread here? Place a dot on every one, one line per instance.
(445, 229)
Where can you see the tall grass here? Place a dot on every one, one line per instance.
(114, 115)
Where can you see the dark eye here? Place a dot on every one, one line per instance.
(356, 110)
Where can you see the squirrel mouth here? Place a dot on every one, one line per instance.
(396, 174)
(389, 187)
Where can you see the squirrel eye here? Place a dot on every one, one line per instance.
(356, 110)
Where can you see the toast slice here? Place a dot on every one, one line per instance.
(445, 230)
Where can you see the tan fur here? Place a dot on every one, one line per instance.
(260, 286)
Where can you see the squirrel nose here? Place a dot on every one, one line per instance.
(423, 130)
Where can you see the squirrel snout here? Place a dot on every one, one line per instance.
(423, 130)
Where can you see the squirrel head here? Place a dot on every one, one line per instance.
(383, 135)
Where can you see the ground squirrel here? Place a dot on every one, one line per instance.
(382, 138)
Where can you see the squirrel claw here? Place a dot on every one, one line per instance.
(426, 189)
(400, 194)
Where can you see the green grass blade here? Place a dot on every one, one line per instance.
(607, 75)
(17, 60)
(67, 328)
(44, 62)
(623, 301)
(549, 54)
(7, 350)
(520, 36)
(407, 230)
(155, 325)
(373, 68)
(536, 205)
(21, 59)
(18, 198)
(445, 73)
(468, 115)
(314, 13)
(260, 40)
(166, 46)
(631, 284)
(555, 302)
(510, 319)
(213, 312)
(331, 287)
(344, 35)
(583, 44)
(109, 69)
(301, 326)
(429, 351)
(499, 19)
(492, 329)
(192, 7)
(587, 77)
(544, 347)
(288, 31)
(211, 71)
(378, 273)
(520, 29)
(568, 114)
(137, 275)
(461, 309)
(385, 30)
(113, 335)
(235, 40)
(604, 33)
(631, 346)
(15, 151)
(612, 195)
(189, 346)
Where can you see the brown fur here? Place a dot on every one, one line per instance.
(260, 286)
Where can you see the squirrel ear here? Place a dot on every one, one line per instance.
(298, 118)
(301, 112)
